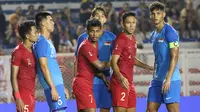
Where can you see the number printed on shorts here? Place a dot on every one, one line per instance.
(123, 96)
(59, 101)
(26, 108)
(90, 98)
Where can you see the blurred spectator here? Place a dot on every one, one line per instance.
(139, 36)
(112, 18)
(19, 11)
(41, 8)
(10, 41)
(30, 15)
(60, 35)
(125, 8)
(67, 23)
(188, 21)
(2, 26)
(144, 23)
(85, 10)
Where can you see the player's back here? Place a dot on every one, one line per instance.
(25, 60)
(126, 48)
(161, 46)
(45, 48)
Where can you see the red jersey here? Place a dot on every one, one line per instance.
(23, 58)
(86, 55)
(126, 48)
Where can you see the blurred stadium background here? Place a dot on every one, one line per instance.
(70, 17)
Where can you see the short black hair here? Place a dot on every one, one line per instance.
(127, 14)
(25, 28)
(99, 8)
(157, 5)
(93, 23)
(40, 16)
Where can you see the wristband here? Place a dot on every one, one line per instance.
(16, 95)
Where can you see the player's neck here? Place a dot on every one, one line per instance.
(129, 35)
(28, 45)
(93, 43)
(45, 33)
(160, 26)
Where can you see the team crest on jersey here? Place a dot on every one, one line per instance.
(90, 53)
(116, 47)
(107, 43)
(29, 61)
(161, 39)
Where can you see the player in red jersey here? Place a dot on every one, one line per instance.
(88, 64)
(123, 61)
(23, 71)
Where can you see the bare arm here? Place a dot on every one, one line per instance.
(174, 54)
(142, 65)
(124, 82)
(115, 67)
(101, 65)
(13, 78)
(75, 67)
(45, 70)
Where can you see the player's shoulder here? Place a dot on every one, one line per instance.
(110, 34)
(18, 49)
(169, 29)
(83, 35)
(41, 41)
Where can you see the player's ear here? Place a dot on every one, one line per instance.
(164, 14)
(27, 36)
(122, 23)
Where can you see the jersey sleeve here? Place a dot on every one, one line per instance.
(172, 38)
(16, 58)
(118, 47)
(89, 53)
(41, 49)
(81, 38)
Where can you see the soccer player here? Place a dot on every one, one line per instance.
(166, 84)
(105, 45)
(123, 61)
(87, 65)
(23, 71)
(49, 73)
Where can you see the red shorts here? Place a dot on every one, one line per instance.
(84, 94)
(29, 101)
(122, 97)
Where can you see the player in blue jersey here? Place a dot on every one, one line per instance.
(105, 46)
(166, 84)
(49, 73)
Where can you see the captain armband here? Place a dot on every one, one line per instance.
(173, 44)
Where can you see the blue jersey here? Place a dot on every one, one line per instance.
(45, 48)
(163, 41)
(105, 46)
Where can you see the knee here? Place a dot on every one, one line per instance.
(149, 109)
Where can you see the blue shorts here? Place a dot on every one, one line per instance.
(102, 96)
(61, 104)
(172, 96)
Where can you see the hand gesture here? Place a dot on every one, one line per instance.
(20, 105)
(66, 93)
(124, 82)
(165, 86)
(54, 94)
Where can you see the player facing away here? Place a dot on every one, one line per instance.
(105, 45)
(123, 61)
(23, 68)
(49, 73)
(88, 64)
(166, 84)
